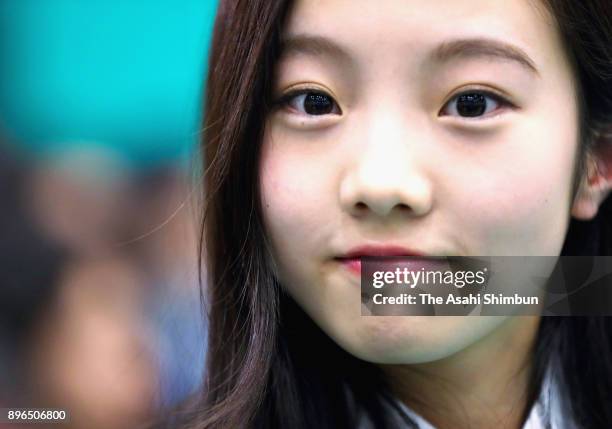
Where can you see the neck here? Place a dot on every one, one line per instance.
(484, 385)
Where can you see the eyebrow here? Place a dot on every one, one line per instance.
(313, 45)
(483, 47)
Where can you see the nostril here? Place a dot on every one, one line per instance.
(363, 207)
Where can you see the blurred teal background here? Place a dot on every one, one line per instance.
(122, 75)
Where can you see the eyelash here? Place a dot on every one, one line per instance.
(285, 100)
(502, 102)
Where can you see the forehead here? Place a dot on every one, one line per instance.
(370, 30)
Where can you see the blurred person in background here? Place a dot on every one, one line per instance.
(29, 279)
(132, 286)
(73, 333)
(105, 127)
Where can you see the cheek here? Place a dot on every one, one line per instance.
(519, 195)
(296, 203)
(291, 195)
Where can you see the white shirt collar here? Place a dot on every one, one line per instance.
(534, 421)
(548, 412)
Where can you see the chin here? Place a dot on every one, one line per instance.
(412, 339)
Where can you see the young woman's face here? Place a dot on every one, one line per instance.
(446, 128)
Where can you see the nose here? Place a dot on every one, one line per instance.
(387, 176)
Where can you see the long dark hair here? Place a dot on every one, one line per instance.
(268, 364)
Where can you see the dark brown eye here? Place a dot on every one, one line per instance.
(313, 103)
(318, 104)
(472, 105)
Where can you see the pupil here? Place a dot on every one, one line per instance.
(317, 104)
(471, 105)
